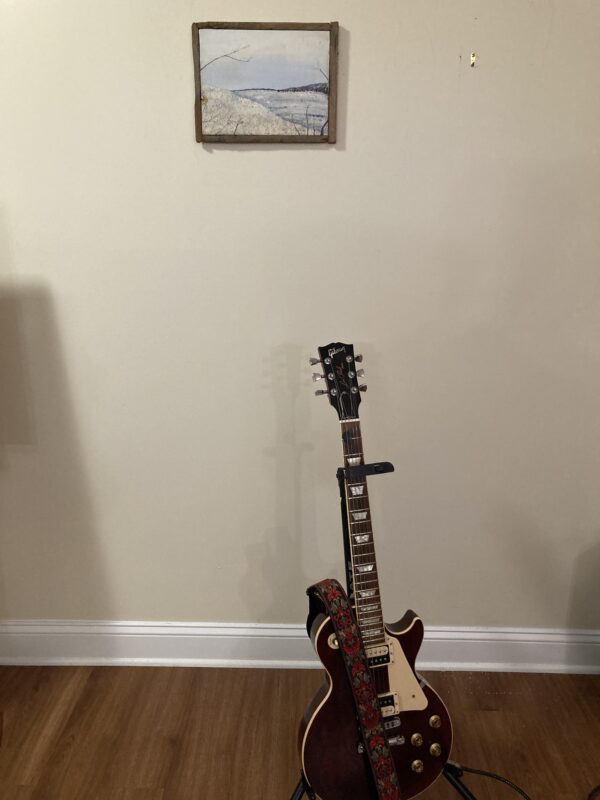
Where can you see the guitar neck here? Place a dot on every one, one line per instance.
(362, 547)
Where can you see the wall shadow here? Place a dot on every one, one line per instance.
(50, 564)
(584, 606)
(274, 564)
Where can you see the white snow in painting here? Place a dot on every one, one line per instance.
(257, 82)
(226, 113)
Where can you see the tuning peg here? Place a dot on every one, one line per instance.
(314, 361)
(317, 376)
(360, 373)
(321, 391)
(358, 357)
(363, 387)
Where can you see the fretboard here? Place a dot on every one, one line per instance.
(362, 547)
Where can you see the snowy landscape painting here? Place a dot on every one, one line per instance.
(265, 82)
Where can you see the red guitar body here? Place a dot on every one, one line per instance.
(328, 738)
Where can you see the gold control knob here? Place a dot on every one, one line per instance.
(416, 740)
(435, 721)
(436, 749)
(417, 766)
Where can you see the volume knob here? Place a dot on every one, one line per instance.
(417, 765)
(435, 721)
(436, 749)
(416, 740)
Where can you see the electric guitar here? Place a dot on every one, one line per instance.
(417, 723)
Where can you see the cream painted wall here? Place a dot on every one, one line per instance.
(161, 454)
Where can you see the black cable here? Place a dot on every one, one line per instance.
(595, 793)
(496, 777)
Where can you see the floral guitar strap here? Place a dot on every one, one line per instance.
(338, 608)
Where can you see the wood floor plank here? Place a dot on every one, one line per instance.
(81, 733)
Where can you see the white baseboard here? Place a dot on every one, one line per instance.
(58, 642)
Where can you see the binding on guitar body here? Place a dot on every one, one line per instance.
(416, 722)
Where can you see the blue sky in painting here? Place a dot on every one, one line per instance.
(272, 59)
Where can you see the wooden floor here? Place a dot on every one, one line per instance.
(101, 733)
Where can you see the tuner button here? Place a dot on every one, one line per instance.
(354, 390)
(349, 359)
(436, 749)
(330, 375)
(358, 357)
(321, 391)
(328, 361)
(317, 376)
(417, 765)
(363, 387)
(334, 392)
(360, 373)
(314, 361)
(350, 374)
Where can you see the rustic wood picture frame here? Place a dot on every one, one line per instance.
(328, 137)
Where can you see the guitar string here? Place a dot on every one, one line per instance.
(380, 674)
(356, 449)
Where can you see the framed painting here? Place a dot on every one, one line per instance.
(265, 81)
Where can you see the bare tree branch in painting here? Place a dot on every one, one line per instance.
(224, 127)
(237, 125)
(307, 123)
(323, 126)
(231, 56)
(323, 74)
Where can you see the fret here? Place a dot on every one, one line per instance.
(371, 634)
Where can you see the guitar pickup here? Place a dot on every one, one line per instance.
(378, 661)
(378, 656)
(389, 704)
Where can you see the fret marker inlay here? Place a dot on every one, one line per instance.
(365, 567)
(359, 515)
(362, 538)
(357, 490)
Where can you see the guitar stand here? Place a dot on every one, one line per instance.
(452, 771)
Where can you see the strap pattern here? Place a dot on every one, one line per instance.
(340, 611)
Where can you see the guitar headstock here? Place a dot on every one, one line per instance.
(340, 374)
